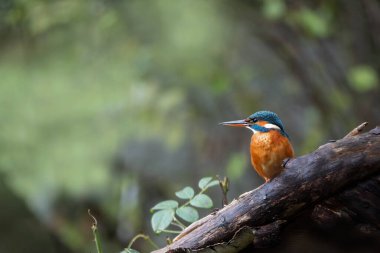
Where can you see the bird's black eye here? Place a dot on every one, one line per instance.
(251, 120)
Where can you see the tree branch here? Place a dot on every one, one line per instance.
(256, 216)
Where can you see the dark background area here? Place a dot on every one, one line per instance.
(114, 105)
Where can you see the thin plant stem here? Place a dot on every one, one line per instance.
(152, 243)
(94, 229)
(145, 237)
(171, 231)
(142, 236)
(178, 223)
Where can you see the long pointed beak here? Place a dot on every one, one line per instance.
(235, 123)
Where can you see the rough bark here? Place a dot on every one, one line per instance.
(331, 178)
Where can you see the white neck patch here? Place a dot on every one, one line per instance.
(267, 126)
(271, 126)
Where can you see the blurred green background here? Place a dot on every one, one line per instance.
(114, 105)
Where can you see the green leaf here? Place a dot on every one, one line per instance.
(207, 182)
(363, 78)
(203, 182)
(213, 183)
(185, 193)
(130, 251)
(201, 201)
(188, 213)
(167, 204)
(162, 219)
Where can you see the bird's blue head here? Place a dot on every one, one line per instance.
(261, 121)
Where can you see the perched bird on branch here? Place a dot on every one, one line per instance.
(270, 144)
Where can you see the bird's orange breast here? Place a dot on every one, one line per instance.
(268, 150)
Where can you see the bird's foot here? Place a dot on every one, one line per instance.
(285, 162)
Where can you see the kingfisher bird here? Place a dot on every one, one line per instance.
(270, 145)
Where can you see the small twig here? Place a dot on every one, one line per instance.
(224, 186)
(94, 229)
(145, 237)
(356, 130)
